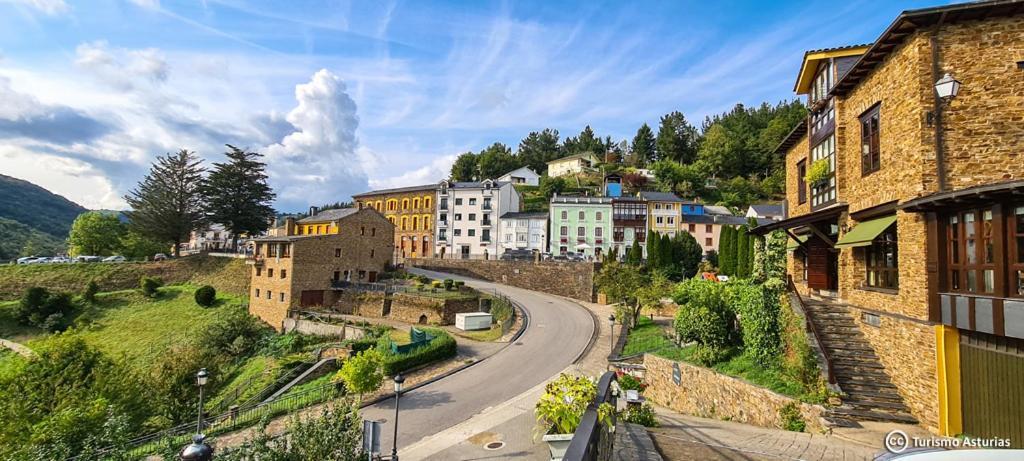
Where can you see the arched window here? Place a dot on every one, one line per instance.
(404, 222)
(415, 222)
(426, 222)
(426, 202)
(405, 204)
(416, 203)
(379, 207)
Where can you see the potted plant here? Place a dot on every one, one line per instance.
(818, 172)
(561, 408)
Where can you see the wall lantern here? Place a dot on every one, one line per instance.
(947, 88)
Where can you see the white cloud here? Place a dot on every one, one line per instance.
(318, 162)
(150, 4)
(120, 67)
(76, 180)
(50, 7)
(437, 170)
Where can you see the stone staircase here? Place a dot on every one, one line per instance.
(869, 392)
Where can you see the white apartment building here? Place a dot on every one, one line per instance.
(524, 231)
(522, 175)
(467, 217)
(213, 238)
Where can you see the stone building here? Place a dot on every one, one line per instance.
(293, 270)
(580, 224)
(467, 217)
(411, 210)
(906, 217)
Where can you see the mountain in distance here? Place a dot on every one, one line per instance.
(33, 220)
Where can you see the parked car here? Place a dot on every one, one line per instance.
(517, 255)
(27, 260)
(159, 257)
(40, 260)
(114, 259)
(59, 260)
(87, 259)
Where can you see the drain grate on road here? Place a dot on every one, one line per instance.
(494, 446)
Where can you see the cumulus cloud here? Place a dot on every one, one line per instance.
(317, 162)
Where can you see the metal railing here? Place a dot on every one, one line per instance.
(812, 329)
(228, 421)
(592, 441)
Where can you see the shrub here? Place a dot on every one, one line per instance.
(759, 321)
(423, 279)
(641, 414)
(448, 284)
(441, 347)
(459, 284)
(435, 284)
(206, 295)
(49, 311)
(89, 295)
(629, 382)
(149, 285)
(791, 418)
(501, 310)
(361, 373)
(704, 315)
(234, 331)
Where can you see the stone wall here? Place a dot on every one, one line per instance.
(570, 279)
(410, 308)
(310, 327)
(423, 232)
(363, 304)
(708, 394)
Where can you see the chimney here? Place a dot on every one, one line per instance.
(313, 210)
(289, 226)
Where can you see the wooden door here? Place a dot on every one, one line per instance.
(310, 298)
(373, 277)
(991, 389)
(818, 263)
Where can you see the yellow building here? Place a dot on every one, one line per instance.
(411, 210)
(664, 211)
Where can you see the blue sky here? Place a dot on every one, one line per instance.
(345, 96)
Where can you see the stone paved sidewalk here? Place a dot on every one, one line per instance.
(682, 437)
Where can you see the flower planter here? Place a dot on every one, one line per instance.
(557, 444)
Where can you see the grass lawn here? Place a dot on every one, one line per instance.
(251, 376)
(492, 334)
(651, 337)
(400, 336)
(139, 328)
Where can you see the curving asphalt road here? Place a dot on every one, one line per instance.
(558, 332)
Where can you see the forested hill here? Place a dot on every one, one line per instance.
(32, 219)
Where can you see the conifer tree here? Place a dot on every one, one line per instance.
(635, 254)
(168, 203)
(653, 254)
(237, 194)
(742, 252)
(642, 151)
(726, 251)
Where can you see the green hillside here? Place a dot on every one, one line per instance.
(33, 220)
(17, 239)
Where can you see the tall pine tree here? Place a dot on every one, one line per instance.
(690, 253)
(168, 203)
(539, 148)
(677, 139)
(635, 254)
(237, 194)
(642, 151)
(653, 254)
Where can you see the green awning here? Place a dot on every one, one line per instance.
(792, 245)
(862, 234)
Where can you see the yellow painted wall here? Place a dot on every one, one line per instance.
(947, 343)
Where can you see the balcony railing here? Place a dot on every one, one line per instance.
(619, 236)
(486, 222)
(487, 206)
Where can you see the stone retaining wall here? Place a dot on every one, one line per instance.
(310, 327)
(413, 309)
(708, 394)
(570, 279)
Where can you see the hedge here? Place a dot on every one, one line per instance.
(441, 347)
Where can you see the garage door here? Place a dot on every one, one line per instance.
(992, 386)
(311, 298)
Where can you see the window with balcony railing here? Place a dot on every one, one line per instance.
(823, 192)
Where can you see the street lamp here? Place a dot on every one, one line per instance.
(947, 88)
(399, 379)
(198, 450)
(201, 377)
(611, 329)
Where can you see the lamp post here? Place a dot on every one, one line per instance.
(399, 379)
(198, 450)
(611, 329)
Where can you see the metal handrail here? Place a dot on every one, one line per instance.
(586, 441)
(813, 329)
